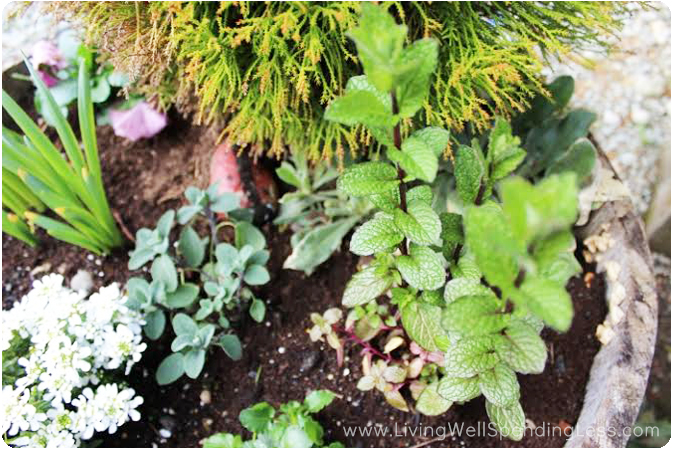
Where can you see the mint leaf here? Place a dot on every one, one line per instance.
(364, 286)
(422, 269)
(580, 159)
(466, 267)
(437, 139)
(422, 321)
(458, 287)
(521, 348)
(549, 301)
(504, 153)
(378, 234)
(430, 403)
(499, 385)
(379, 40)
(257, 417)
(368, 178)
(469, 172)
(555, 259)
(459, 389)
(387, 201)
(318, 400)
(470, 356)
(416, 158)
(420, 224)
(471, 316)
(452, 233)
(416, 65)
(360, 107)
(422, 194)
(510, 421)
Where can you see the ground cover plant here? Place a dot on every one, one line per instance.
(291, 426)
(509, 251)
(64, 357)
(72, 188)
(269, 68)
(202, 279)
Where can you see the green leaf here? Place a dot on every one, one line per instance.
(470, 356)
(225, 203)
(256, 275)
(163, 270)
(181, 341)
(422, 194)
(368, 178)
(296, 437)
(318, 399)
(248, 234)
(183, 324)
(220, 440)
(318, 245)
(194, 361)
(504, 153)
(452, 233)
(469, 172)
(192, 247)
(155, 322)
(416, 158)
(466, 267)
(415, 67)
(378, 234)
(257, 418)
(422, 269)
(437, 139)
(521, 348)
(288, 174)
(431, 403)
(509, 421)
(555, 257)
(459, 287)
(183, 296)
(549, 301)
(185, 213)
(257, 310)
(499, 385)
(379, 40)
(364, 286)
(165, 223)
(490, 239)
(422, 322)
(170, 369)
(472, 316)
(360, 107)
(387, 201)
(231, 345)
(580, 159)
(420, 224)
(459, 389)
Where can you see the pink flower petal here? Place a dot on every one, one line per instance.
(46, 53)
(139, 122)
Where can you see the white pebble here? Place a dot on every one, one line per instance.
(281, 350)
(330, 376)
(347, 371)
(89, 257)
(165, 433)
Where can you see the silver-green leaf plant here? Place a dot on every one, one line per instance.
(204, 284)
(476, 284)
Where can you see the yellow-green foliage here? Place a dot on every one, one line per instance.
(266, 70)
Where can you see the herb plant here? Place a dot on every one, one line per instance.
(291, 426)
(202, 279)
(319, 217)
(72, 187)
(508, 248)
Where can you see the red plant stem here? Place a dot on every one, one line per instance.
(367, 347)
(397, 140)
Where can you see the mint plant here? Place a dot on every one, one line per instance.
(476, 284)
(319, 217)
(205, 281)
(291, 426)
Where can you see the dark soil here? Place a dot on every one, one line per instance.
(145, 179)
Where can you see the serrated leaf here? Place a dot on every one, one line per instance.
(364, 286)
(466, 267)
(422, 268)
(437, 139)
(415, 67)
(416, 158)
(192, 247)
(522, 349)
(395, 398)
(183, 296)
(555, 257)
(387, 201)
(469, 172)
(490, 239)
(452, 233)
(318, 399)
(422, 322)
(368, 178)
(257, 417)
(509, 421)
(378, 234)
(421, 194)
(430, 403)
(580, 159)
(504, 153)
(470, 356)
(163, 270)
(459, 389)
(420, 224)
(360, 107)
(499, 385)
(548, 300)
(508, 164)
(459, 287)
(472, 316)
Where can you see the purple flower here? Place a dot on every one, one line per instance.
(139, 122)
(47, 58)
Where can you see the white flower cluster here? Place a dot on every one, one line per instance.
(63, 343)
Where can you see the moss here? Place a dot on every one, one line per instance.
(265, 70)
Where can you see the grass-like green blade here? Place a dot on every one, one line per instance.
(63, 232)
(12, 225)
(12, 181)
